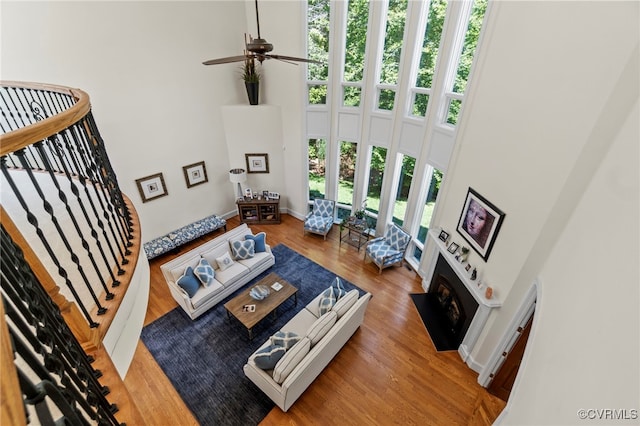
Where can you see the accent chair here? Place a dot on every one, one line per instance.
(389, 249)
(320, 219)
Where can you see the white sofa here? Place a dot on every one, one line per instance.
(306, 359)
(225, 282)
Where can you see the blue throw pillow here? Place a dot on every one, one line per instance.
(260, 241)
(268, 357)
(285, 339)
(204, 272)
(189, 282)
(330, 296)
(243, 250)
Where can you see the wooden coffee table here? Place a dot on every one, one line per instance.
(265, 306)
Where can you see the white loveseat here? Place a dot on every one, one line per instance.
(306, 359)
(225, 281)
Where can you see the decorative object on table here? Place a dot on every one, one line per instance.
(453, 248)
(488, 293)
(462, 254)
(249, 308)
(251, 77)
(474, 274)
(151, 187)
(389, 249)
(360, 213)
(195, 174)
(259, 292)
(257, 163)
(265, 194)
(320, 219)
(479, 223)
(444, 236)
(274, 195)
(238, 176)
(466, 268)
(248, 193)
(276, 286)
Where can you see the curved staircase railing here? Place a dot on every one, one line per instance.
(62, 206)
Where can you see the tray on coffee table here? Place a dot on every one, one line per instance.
(249, 318)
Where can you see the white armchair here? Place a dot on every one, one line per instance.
(388, 250)
(320, 219)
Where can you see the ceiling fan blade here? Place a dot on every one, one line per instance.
(225, 60)
(292, 58)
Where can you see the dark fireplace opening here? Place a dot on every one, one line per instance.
(447, 309)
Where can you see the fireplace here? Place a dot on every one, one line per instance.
(454, 308)
(453, 305)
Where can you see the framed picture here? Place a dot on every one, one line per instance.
(195, 174)
(265, 194)
(479, 223)
(257, 163)
(453, 247)
(274, 195)
(151, 187)
(444, 236)
(248, 193)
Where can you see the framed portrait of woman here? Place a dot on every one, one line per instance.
(479, 223)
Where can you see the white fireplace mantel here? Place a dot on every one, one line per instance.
(484, 305)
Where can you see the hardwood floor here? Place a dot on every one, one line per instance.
(388, 373)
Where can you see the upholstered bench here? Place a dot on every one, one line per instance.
(175, 239)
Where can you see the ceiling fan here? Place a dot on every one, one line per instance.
(258, 48)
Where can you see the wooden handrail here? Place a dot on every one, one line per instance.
(28, 135)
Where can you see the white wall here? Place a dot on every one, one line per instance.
(157, 107)
(548, 97)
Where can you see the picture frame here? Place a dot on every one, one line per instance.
(265, 194)
(257, 163)
(444, 236)
(195, 174)
(453, 247)
(248, 193)
(151, 187)
(479, 223)
(274, 195)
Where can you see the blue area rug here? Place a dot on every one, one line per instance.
(204, 358)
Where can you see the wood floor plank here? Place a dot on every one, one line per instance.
(388, 373)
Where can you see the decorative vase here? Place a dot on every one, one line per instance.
(253, 90)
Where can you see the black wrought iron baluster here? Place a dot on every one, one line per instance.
(86, 161)
(97, 170)
(100, 154)
(7, 112)
(31, 218)
(73, 158)
(63, 197)
(31, 308)
(54, 220)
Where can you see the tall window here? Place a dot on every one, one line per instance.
(374, 186)
(317, 167)
(355, 44)
(390, 67)
(318, 49)
(346, 176)
(429, 56)
(404, 185)
(465, 60)
(435, 176)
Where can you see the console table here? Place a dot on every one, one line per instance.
(354, 232)
(260, 211)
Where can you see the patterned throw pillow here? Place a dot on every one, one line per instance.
(188, 282)
(268, 357)
(224, 261)
(285, 339)
(330, 296)
(243, 249)
(260, 241)
(204, 272)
